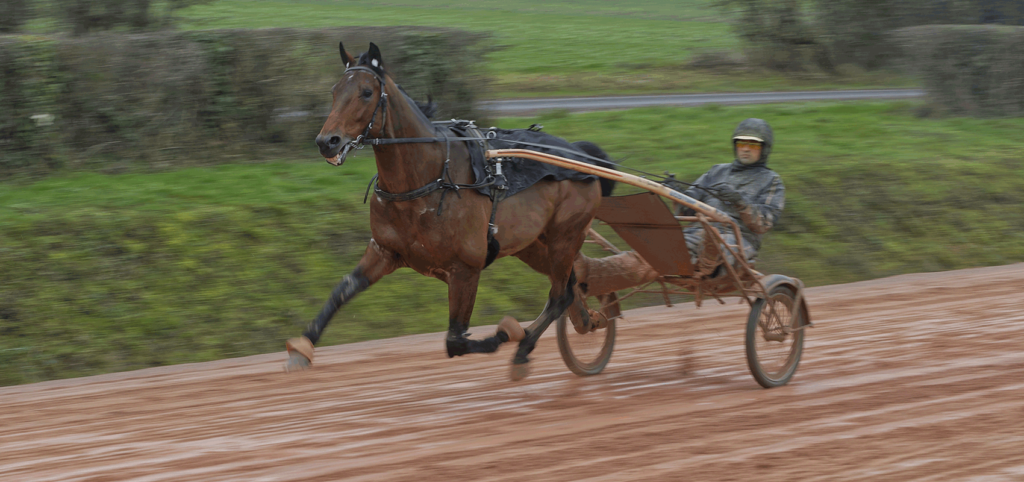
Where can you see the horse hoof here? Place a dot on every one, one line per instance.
(511, 327)
(296, 362)
(300, 354)
(300, 345)
(519, 371)
(456, 346)
(580, 319)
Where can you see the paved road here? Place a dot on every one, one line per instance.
(584, 104)
(917, 377)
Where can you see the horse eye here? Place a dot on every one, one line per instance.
(367, 93)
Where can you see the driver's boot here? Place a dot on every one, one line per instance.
(599, 276)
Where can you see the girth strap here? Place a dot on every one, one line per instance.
(404, 196)
(495, 181)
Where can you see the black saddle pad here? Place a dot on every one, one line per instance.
(523, 173)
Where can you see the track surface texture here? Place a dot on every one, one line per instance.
(915, 377)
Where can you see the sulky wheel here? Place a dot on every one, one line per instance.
(588, 354)
(773, 348)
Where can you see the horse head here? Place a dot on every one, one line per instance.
(359, 108)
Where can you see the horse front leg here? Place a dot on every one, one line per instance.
(462, 288)
(374, 265)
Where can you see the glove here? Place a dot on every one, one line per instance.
(728, 194)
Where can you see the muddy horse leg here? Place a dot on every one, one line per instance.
(554, 256)
(558, 302)
(560, 297)
(374, 265)
(462, 287)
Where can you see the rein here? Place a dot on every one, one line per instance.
(380, 141)
(445, 183)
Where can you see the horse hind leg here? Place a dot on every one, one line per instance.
(556, 261)
(556, 305)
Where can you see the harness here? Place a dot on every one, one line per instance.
(494, 179)
(465, 131)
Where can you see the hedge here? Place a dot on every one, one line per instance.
(116, 101)
(795, 35)
(969, 69)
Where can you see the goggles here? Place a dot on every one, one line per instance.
(746, 143)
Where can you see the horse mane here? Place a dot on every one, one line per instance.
(428, 108)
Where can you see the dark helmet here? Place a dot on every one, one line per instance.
(755, 130)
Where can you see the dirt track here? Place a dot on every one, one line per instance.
(918, 377)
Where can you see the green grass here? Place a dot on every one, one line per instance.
(545, 48)
(103, 273)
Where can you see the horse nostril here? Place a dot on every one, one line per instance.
(334, 141)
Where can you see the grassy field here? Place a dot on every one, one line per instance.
(106, 273)
(558, 47)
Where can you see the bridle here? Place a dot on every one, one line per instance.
(382, 106)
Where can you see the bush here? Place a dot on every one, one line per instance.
(30, 85)
(716, 59)
(793, 35)
(84, 16)
(972, 70)
(780, 34)
(16, 13)
(116, 101)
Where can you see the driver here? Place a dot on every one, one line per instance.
(746, 189)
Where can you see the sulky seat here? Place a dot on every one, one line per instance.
(645, 223)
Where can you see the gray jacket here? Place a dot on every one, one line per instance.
(760, 186)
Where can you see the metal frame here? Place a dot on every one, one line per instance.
(742, 280)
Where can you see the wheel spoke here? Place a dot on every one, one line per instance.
(588, 353)
(773, 354)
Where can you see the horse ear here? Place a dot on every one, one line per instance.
(345, 57)
(376, 62)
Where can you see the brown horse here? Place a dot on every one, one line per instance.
(544, 225)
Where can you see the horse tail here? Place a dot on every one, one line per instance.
(591, 149)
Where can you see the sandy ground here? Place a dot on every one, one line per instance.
(917, 377)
